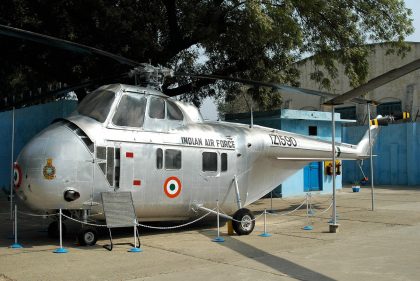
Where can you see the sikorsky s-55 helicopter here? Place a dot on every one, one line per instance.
(175, 164)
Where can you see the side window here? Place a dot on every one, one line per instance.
(130, 111)
(174, 113)
(209, 162)
(172, 159)
(156, 108)
(159, 158)
(224, 162)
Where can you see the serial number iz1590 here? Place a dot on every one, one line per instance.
(283, 140)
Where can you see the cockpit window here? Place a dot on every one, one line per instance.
(174, 113)
(130, 111)
(97, 104)
(157, 108)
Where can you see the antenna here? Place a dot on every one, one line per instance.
(252, 118)
(250, 109)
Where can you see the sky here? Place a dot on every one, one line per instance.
(209, 108)
(414, 5)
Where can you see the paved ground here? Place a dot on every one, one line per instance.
(379, 245)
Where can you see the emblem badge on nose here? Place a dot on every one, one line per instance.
(49, 170)
(17, 175)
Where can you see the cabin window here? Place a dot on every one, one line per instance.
(172, 159)
(97, 104)
(209, 162)
(130, 112)
(159, 158)
(174, 113)
(224, 162)
(157, 108)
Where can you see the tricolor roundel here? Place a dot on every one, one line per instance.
(172, 187)
(17, 175)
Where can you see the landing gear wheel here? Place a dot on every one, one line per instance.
(87, 237)
(54, 229)
(244, 222)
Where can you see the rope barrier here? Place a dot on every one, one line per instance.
(326, 210)
(170, 227)
(176, 226)
(254, 219)
(37, 215)
(360, 166)
(82, 222)
(139, 224)
(288, 213)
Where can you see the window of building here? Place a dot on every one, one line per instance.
(157, 108)
(224, 162)
(159, 158)
(174, 113)
(209, 162)
(313, 130)
(347, 112)
(172, 159)
(389, 108)
(130, 111)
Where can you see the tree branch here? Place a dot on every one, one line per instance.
(210, 25)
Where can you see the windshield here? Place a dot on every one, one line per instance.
(97, 104)
(130, 111)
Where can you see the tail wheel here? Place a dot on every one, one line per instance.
(244, 222)
(87, 237)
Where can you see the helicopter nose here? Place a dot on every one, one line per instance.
(54, 169)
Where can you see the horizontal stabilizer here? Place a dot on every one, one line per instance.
(309, 159)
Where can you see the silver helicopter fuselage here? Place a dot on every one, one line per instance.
(129, 138)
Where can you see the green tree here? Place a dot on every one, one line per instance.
(259, 40)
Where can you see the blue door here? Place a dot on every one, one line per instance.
(312, 177)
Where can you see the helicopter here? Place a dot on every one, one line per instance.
(176, 165)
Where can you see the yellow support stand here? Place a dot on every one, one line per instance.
(229, 227)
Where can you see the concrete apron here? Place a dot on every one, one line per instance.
(379, 245)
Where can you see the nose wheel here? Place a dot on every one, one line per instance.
(87, 236)
(54, 229)
(244, 222)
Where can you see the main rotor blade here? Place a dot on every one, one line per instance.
(62, 44)
(281, 87)
(376, 82)
(62, 91)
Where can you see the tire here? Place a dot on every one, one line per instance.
(244, 222)
(54, 229)
(87, 237)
